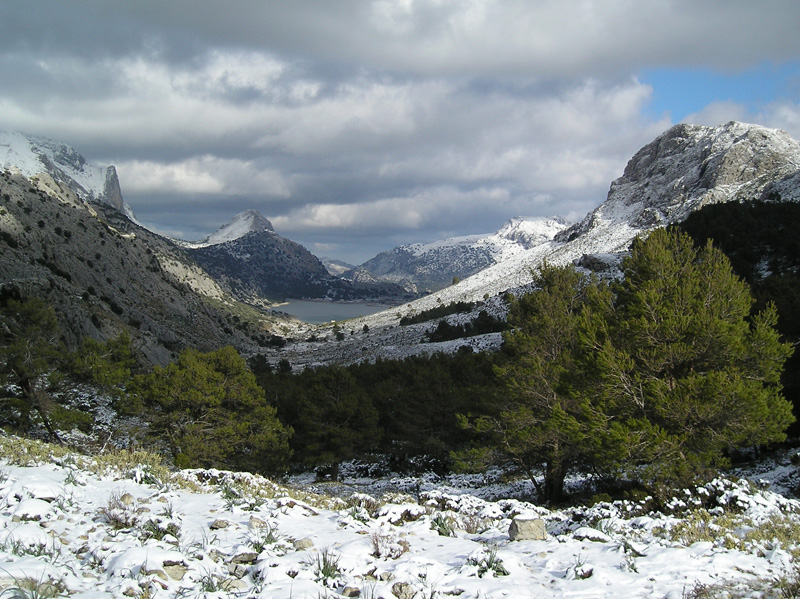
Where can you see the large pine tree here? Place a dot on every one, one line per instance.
(684, 362)
(546, 421)
(665, 369)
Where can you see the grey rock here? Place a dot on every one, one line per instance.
(303, 544)
(527, 529)
(247, 557)
(403, 590)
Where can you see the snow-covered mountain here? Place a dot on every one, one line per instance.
(690, 166)
(40, 157)
(249, 221)
(432, 266)
(684, 169)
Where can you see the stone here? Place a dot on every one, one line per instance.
(219, 524)
(247, 557)
(175, 571)
(403, 590)
(302, 544)
(351, 592)
(257, 523)
(239, 571)
(527, 529)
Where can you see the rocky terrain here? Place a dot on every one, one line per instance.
(104, 274)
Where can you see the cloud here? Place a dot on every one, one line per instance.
(370, 120)
(782, 114)
(203, 175)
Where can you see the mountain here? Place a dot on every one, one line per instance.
(249, 221)
(336, 267)
(252, 262)
(433, 266)
(55, 164)
(104, 274)
(691, 166)
(682, 170)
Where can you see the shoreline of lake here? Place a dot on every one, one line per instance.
(325, 311)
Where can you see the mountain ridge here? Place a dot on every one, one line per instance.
(433, 266)
(683, 169)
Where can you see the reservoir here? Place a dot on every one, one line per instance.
(319, 312)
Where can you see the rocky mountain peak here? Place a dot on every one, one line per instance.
(249, 221)
(690, 166)
(33, 156)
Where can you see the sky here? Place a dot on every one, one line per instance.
(360, 125)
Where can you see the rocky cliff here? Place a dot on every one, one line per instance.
(690, 166)
(37, 156)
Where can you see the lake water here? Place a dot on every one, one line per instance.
(321, 312)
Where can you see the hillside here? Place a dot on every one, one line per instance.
(104, 274)
(432, 266)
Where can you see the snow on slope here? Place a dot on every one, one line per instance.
(433, 265)
(682, 170)
(518, 233)
(249, 221)
(33, 156)
(134, 530)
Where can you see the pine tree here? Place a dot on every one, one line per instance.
(684, 364)
(212, 413)
(547, 421)
(29, 349)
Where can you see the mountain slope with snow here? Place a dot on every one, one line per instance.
(432, 266)
(34, 156)
(682, 170)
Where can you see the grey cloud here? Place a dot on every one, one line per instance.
(327, 116)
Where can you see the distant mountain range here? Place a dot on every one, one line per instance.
(433, 266)
(67, 235)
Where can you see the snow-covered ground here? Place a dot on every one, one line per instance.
(107, 527)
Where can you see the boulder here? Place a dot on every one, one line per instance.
(527, 529)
